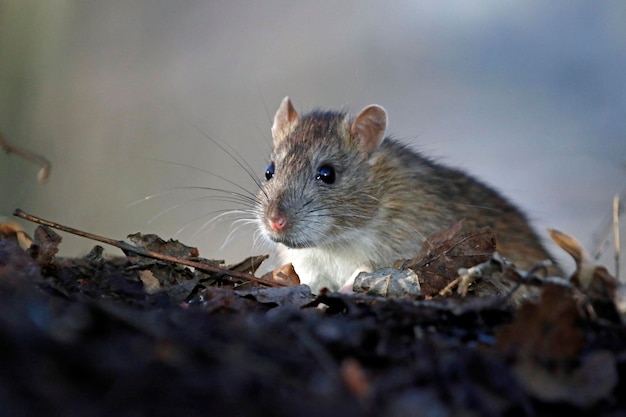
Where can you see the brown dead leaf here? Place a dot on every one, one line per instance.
(297, 296)
(150, 283)
(285, 274)
(445, 252)
(442, 237)
(224, 300)
(248, 265)
(606, 294)
(45, 246)
(545, 331)
(584, 264)
(154, 243)
(174, 280)
(13, 230)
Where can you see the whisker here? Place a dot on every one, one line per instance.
(219, 214)
(248, 197)
(149, 197)
(267, 111)
(230, 151)
(237, 227)
(207, 172)
(197, 200)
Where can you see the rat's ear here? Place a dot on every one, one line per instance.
(369, 127)
(284, 120)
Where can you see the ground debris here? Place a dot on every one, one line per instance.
(444, 253)
(154, 243)
(136, 336)
(388, 282)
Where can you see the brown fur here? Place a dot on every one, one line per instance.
(385, 202)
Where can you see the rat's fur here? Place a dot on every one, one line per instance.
(385, 201)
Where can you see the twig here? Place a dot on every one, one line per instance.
(601, 239)
(140, 251)
(616, 233)
(39, 160)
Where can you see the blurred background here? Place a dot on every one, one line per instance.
(132, 100)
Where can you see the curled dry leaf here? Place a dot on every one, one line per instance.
(45, 245)
(585, 266)
(248, 265)
(154, 243)
(388, 282)
(607, 294)
(285, 274)
(150, 283)
(13, 230)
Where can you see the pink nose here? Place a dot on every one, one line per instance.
(278, 222)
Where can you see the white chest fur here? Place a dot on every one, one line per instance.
(322, 267)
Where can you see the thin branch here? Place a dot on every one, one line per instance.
(140, 251)
(601, 239)
(617, 247)
(39, 160)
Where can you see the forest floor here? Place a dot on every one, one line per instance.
(130, 335)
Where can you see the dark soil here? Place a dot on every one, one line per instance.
(129, 336)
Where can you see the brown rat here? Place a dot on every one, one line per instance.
(340, 198)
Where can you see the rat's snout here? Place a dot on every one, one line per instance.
(276, 218)
(277, 222)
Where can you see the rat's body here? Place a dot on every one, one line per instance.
(341, 198)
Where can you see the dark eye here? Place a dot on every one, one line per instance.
(326, 174)
(269, 171)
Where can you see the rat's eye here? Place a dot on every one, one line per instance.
(269, 171)
(326, 174)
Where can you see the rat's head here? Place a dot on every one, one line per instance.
(319, 183)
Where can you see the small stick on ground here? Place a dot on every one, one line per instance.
(39, 160)
(149, 254)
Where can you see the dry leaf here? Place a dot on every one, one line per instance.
(285, 274)
(296, 296)
(154, 243)
(607, 294)
(13, 230)
(45, 246)
(248, 265)
(388, 282)
(150, 283)
(584, 264)
(445, 252)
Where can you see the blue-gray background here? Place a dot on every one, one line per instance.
(527, 95)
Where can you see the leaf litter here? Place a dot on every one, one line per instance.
(133, 335)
